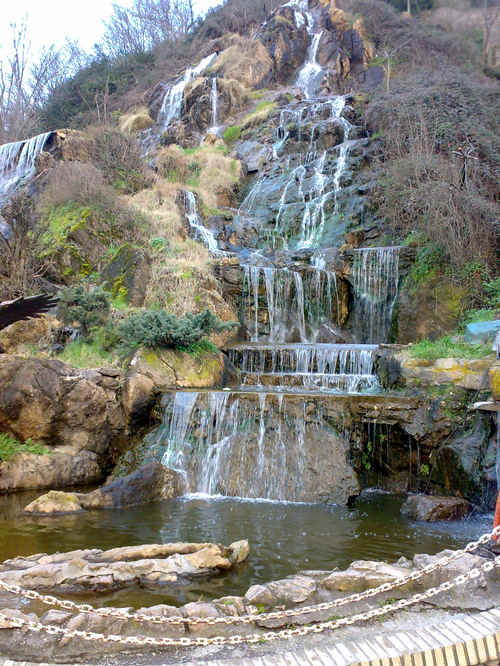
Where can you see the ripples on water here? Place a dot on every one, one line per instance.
(284, 538)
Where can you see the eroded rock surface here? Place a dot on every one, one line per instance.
(100, 571)
(77, 414)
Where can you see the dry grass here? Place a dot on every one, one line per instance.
(247, 62)
(182, 278)
(135, 121)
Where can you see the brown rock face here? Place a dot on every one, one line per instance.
(431, 509)
(151, 483)
(152, 372)
(32, 331)
(67, 410)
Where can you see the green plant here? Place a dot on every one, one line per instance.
(232, 134)
(158, 328)
(84, 307)
(425, 470)
(446, 348)
(9, 447)
(85, 354)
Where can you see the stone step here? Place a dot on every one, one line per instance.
(350, 383)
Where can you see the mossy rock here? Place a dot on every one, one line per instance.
(127, 274)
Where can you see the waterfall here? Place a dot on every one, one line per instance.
(245, 445)
(171, 107)
(375, 281)
(18, 161)
(206, 236)
(344, 368)
(282, 304)
(17, 164)
(310, 74)
(214, 96)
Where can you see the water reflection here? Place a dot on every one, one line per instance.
(284, 538)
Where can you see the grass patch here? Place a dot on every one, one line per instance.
(446, 348)
(232, 134)
(9, 447)
(85, 354)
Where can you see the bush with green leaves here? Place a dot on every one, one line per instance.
(9, 447)
(87, 307)
(158, 328)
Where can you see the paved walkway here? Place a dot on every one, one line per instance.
(468, 641)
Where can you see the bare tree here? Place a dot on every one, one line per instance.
(26, 82)
(146, 24)
(491, 15)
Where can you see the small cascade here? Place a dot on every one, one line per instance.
(344, 368)
(17, 164)
(214, 96)
(375, 279)
(282, 304)
(18, 161)
(171, 107)
(310, 75)
(206, 236)
(309, 182)
(245, 445)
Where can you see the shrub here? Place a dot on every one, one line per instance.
(158, 328)
(88, 308)
(9, 447)
(119, 157)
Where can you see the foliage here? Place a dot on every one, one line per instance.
(85, 354)
(9, 447)
(158, 328)
(118, 156)
(238, 16)
(232, 133)
(88, 307)
(447, 348)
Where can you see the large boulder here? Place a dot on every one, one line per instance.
(151, 483)
(155, 371)
(495, 381)
(431, 509)
(15, 338)
(76, 414)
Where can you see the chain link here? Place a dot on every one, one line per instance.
(123, 614)
(251, 638)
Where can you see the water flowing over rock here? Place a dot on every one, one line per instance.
(206, 236)
(17, 165)
(254, 446)
(376, 279)
(171, 107)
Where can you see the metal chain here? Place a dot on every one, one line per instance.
(124, 614)
(16, 622)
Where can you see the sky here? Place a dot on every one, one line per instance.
(51, 21)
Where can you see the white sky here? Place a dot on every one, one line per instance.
(51, 21)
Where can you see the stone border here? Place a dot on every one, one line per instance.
(472, 641)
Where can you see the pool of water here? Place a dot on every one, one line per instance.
(284, 538)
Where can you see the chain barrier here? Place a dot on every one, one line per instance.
(124, 614)
(37, 627)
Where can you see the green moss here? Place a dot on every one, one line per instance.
(446, 348)
(10, 447)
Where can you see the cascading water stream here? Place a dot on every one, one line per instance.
(376, 280)
(17, 164)
(171, 107)
(206, 236)
(258, 441)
